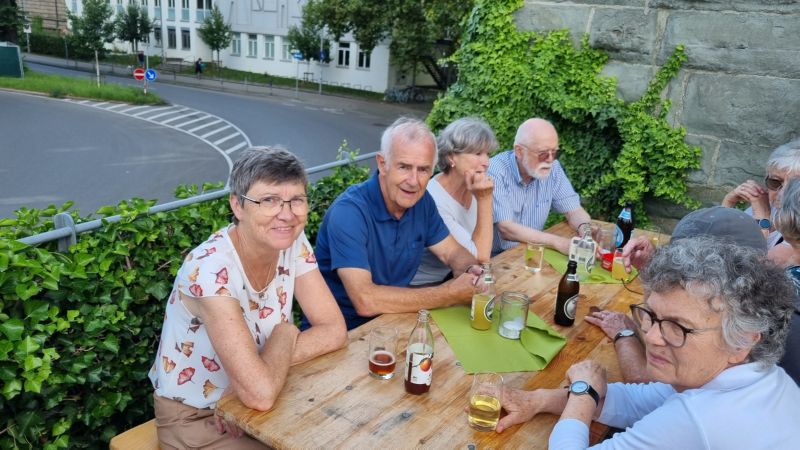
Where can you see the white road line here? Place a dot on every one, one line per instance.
(237, 147)
(97, 105)
(231, 136)
(176, 118)
(204, 125)
(127, 111)
(215, 131)
(192, 121)
(151, 118)
(83, 102)
(139, 114)
(112, 108)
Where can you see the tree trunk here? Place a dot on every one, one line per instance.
(97, 67)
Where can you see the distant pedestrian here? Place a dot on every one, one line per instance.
(198, 68)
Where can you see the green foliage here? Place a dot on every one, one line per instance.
(11, 21)
(94, 28)
(420, 32)
(215, 32)
(61, 86)
(614, 152)
(79, 329)
(133, 25)
(307, 41)
(47, 43)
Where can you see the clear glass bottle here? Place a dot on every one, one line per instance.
(483, 293)
(586, 248)
(419, 356)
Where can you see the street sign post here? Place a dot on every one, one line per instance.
(150, 75)
(138, 74)
(297, 55)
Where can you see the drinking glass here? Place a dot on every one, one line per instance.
(618, 270)
(382, 352)
(485, 398)
(513, 314)
(654, 234)
(605, 238)
(534, 254)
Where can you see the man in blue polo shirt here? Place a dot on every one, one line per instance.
(529, 181)
(372, 238)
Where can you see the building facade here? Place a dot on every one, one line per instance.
(260, 44)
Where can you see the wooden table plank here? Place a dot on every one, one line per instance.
(333, 402)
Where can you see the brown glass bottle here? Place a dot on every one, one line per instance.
(567, 299)
(419, 357)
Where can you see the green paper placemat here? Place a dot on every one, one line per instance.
(599, 275)
(487, 351)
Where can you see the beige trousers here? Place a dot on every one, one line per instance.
(182, 427)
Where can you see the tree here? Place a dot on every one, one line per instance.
(215, 32)
(93, 29)
(11, 21)
(133, 25)
(307, 41)
(420, 32)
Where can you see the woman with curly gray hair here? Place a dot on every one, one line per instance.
(714, 322)
(787, 221)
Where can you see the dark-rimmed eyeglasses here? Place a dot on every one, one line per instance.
(272, 205)
(773, 184)
(542, 155)
(673, 333)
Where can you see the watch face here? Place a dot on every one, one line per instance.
(764, 223)
(579, 387)
(626, 332)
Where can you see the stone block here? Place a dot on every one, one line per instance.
(765, 6)
(543, 17)
(632, 79)
(626, 34)
(757, 111)
(758, 44)
(738, 162)
(710, 146)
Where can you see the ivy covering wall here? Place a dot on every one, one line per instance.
(613, 151)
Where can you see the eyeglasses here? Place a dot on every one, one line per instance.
(673, 333)
(272, 205)
(773, 184)
(544, 154)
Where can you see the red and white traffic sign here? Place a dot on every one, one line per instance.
(138, 73)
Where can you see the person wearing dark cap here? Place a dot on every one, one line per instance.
(725, 224)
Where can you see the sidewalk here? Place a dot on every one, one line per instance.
(326, 100)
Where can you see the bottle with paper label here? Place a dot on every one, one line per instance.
(585, 249)
(480, 314)
(419, 356)
(624, 228)
(567, 298)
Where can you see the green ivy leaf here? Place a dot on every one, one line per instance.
(27, 290)
(111, 343)
(27, 345)
(12, 388)
(13, 329)
(36, 310)
(33, 386)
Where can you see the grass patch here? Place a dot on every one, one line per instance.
(129, 59)
(264, 79)
(59, 86)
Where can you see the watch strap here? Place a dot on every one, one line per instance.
(626, 332)
(589, 390)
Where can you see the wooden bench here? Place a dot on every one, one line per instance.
(142, 437)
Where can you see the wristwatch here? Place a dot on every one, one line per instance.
(764, 223)
(582, 388)
(625, 332)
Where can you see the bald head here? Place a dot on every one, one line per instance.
(535, 131)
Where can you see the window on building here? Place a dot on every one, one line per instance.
(172, 41)
(236, 44)
(286, 50)
(363, 59)
(170, 9)
(186, 43)
(119, 6)
(269, 46)
(252, 45)
(184, 10)
(344, 54)
(144, 3)
(156, 9)
(157, 36)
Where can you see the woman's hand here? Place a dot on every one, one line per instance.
(637, 252)
(611, 322)
(748, 192)
(480, 184)
(590, 372)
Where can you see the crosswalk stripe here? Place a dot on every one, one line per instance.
(167, 113)
(204, 125)
(192, 121)
(174, 119)
(237, 147)
(113, 107)
(231, 136)
(127, 111)
(215, 131)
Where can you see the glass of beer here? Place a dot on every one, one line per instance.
(618, 269)
(382, 352)
(485, 398)
(534, 254)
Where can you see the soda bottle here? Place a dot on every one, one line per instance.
(480, 314)
(624, 228)
(419, 356)
(567, 299)
(585, 248)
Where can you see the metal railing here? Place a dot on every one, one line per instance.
(66, 231)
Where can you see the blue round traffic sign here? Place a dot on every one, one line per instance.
(150, 74)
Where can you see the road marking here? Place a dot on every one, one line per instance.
(192, 121)
(98, 105)
(112, 108)
(152, 118)
(237, 147)
(150, 110)
(127, 111)
(205, 125)
(226, 138)
(215, 131)
(175, 118)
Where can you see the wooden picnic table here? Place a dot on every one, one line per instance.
(332, 401)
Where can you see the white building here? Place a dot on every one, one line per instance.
(259, 42)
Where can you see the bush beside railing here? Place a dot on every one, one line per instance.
(79, 330)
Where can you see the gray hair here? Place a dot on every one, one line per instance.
(787, 217)
(406, 129)
(752, 294)
(786, 158)
(466, 135)
(270, 165)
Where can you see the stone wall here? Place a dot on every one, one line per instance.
(52, 12)
(738, 93)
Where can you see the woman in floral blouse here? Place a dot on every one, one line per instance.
(228, 321)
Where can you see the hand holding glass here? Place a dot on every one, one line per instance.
(382, 352)
(485, 398)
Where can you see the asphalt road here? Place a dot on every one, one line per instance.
(55, 151)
